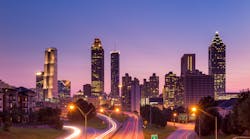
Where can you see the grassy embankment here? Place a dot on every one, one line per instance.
(31, 133)
(162, 132)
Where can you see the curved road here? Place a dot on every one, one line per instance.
(131, 129)
(92, 133)
(184, 131)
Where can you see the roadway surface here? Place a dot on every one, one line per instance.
(184, 131)
(77, 132)
(131, 129)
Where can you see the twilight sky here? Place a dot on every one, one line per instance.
(151, 35)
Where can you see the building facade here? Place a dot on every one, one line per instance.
(50, 75)
(87, 90)
(115, 73)
(97, 68)
(126, 91)
(154, 85)
(39, 86)
(145, 92)
(135, 96)
(64, 89)
(217, 65)
(187, 63)
(173, 91)
(196, 86)
(18, 103)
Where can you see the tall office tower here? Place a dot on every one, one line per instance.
(173, 91)
(187, 63)
(154, 85)
(126, 93)
(50, 74)
(87, 90)
(145, 92)
(197, 85)
(97, 68)
(115, 73)
(135, 96)
(64, 89)
(217, 65)
(39, 86)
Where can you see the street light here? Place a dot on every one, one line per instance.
(102, 110)
(194, 109)
(117, 110)
(72, 107)
(175, 114)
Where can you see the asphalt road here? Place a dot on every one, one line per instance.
(131, 129)
(184, 131)
(77, 131)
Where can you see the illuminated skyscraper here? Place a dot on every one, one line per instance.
(39, 86)
(173, 90)
(97, 68)
(115, 73)
(187, 63)
(126, 93)
(217, 65)
(50, 74)
(154, 85)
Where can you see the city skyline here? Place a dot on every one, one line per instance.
(146, 46)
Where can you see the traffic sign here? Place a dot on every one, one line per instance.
(154, 136)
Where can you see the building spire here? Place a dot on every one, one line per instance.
(217, 40)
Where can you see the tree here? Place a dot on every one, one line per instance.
(85, 107)
(50, 116)
(206, 102)
(157, 116)
(207, 123)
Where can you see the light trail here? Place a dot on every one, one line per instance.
(112, 129)
(75, 134)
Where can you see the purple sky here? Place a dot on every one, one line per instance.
(151, 36)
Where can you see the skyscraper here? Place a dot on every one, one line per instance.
(217, 65)
(135, 96)
(197, 85)
(154, 85)
(187, 63)
(50, 74)
(126, 93)
(173, 90)
(97, 68)
(145, 92)
(115, 73)
(39, 86)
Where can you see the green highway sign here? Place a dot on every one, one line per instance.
(154, 136)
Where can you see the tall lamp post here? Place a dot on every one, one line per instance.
(175, 114)
(102, 110)
(85, 115)
(194, 109)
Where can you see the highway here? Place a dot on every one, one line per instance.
(184, 131)
(77, 131)
(131, 129)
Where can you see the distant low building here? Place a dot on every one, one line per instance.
(64, 89)
(156, 102)
(87, 89)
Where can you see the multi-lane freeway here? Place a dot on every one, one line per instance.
(131, 129)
